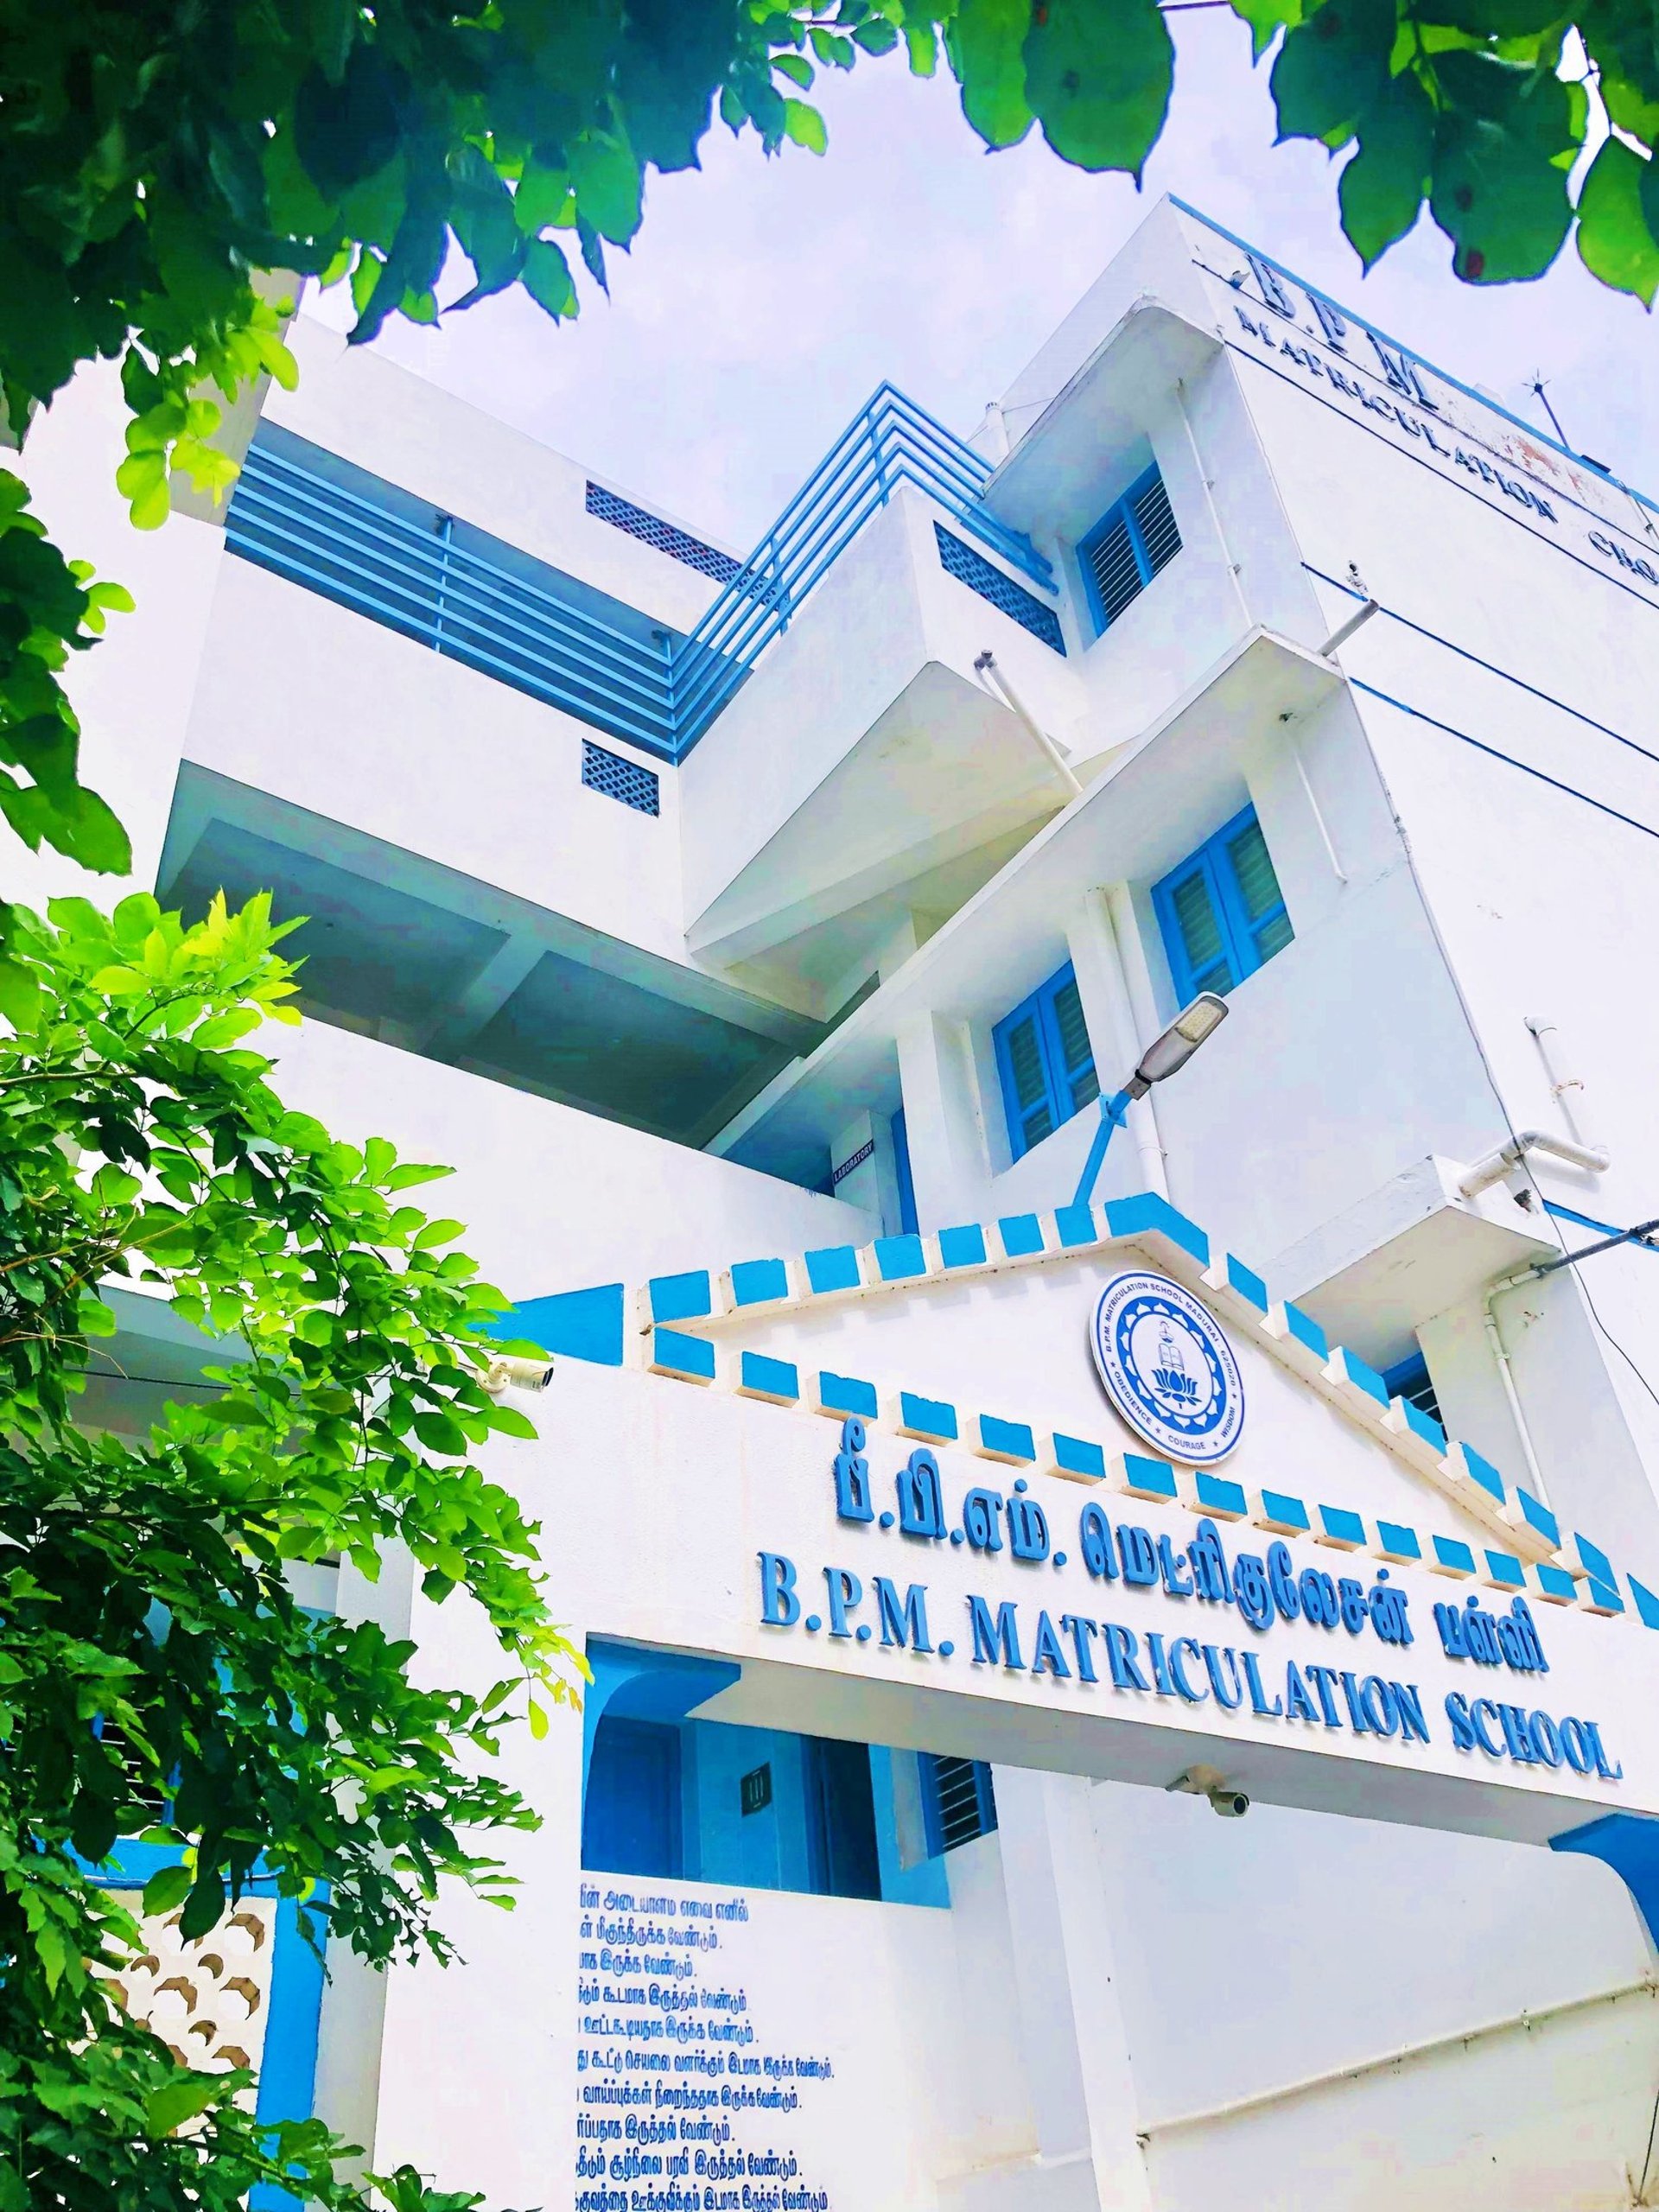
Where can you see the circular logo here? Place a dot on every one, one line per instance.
(1167, 1369)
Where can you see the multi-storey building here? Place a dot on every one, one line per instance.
(756, 936)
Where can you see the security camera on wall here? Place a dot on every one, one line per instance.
(511, 1373)
(1208, 1782)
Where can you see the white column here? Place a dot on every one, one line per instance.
(944, 1123)
(1075, 2042)
(1117, 1029)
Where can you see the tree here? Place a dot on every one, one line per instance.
(157, 155)
(158, 1677)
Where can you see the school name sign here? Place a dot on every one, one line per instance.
(1107, 1608)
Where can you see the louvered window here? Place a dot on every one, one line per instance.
(957, 1800)
(1046, 1061)
(1221, 912)
(1127, 547)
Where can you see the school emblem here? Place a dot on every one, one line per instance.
(1167, 1369)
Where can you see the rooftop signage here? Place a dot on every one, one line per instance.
(1274, 317)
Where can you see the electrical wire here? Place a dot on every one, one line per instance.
(1464, 653)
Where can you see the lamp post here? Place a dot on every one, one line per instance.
(1164, 1057)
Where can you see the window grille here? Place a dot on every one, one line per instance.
(606, 771)
(1410, 1379)
(957, 1800)
(1220, 912)
(1127, 547)
(678, 544)
(1046, 1061)
(962, 561)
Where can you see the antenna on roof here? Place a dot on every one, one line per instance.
(1537, 385)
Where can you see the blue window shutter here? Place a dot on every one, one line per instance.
(1046, 1061)
(1220, 912)
(1127, 547)
(958, 1802)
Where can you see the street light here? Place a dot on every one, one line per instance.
(1164, 1057)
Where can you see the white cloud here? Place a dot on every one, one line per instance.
(764, 301)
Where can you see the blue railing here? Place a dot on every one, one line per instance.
(414, 574)
(890, 442)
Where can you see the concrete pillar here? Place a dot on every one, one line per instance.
(1072, 2033)
(944, 1123)
(1117, 1028)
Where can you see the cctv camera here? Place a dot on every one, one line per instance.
(511, 1373)
(1231, 1804)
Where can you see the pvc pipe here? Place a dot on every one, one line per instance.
(1496, 1165)
(986, 664)
(1546, 1037)
(1117, 909)
(1506, 1375)
(1339, 637)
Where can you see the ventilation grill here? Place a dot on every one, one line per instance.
(964, 1807)
(606, 771)
(1137, 539)
(962, 561)
(678, 544)
(1156, 520)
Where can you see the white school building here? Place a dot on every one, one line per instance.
(958, 1521)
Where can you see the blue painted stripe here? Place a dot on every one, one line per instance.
(1013, 1439)
(680, 1298)
(933, 1417)
(1482, 1472)
(1021, 1235)
(684, 1354)
(1363, 1378)
(1596, 1559)
(1217, 1494)
(288, 2065)
(1646, 1606)
(1307, 1331)
(1285, 1511)
(1075, 1225)
(577, 1324)
(1148, 1478)
(1133, 1217)
(898, 1258)
(1342, 1526)
(1424, 1425)
(1503, 1568)
(1538, 1516)
(1248, 1285)
(962, 1247)
(845, 1394)
(759, 1282)
(1449, 1552)
(1602, 1596)
(1557, 1582)
(765, 1377)
(834, 1267)
(1399, 1541)
(1078, 1457)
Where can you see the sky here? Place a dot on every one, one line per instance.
(764, 300)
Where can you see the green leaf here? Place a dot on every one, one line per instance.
(985, 42)
(166, 1890)
(876, 34)
(1384, 183)
(608, 184)
(180, 2099)
(795, 67)
(20, 996)
(1501, 201)
(537, 1718)
(1616, 235)
(1098, 75)
(1267, 18)
(507, 1420)
(1333, 67)
(805, 127)
(547, 279)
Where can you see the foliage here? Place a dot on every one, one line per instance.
(158, 1677)
(159, 158)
